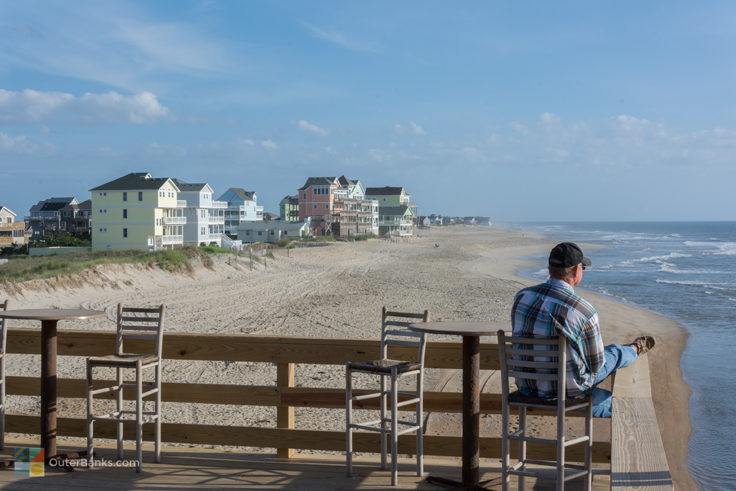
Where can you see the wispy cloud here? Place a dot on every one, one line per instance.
(109, 42)
(416, 129)
(340, 39)
(269, 144)
(32, 106)
(312, 128)
(16, 144)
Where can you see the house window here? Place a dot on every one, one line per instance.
(125, 232)
(125, 213)
(140, 195)
(260, 233)
(125, 196)
(315, 207)
(247, 232)
(204, 230)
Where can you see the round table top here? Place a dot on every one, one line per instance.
(460, 328)
(51, 314)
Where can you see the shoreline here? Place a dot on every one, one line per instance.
(670, 392)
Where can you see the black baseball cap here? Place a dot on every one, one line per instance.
(566, 255)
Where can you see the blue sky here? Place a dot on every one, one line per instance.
(516, 110)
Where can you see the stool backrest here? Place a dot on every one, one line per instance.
(533, 359)
(140, 323)
(396, 332)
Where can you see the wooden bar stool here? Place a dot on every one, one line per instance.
(3, 340)
(132, 323)
(393, 333)
(519, 359)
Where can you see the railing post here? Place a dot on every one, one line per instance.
(285, 414)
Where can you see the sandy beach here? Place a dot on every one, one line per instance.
(338, 291)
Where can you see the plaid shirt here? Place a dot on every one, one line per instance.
(550, 309)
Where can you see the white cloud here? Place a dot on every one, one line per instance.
(416, 129)
(312, 128)
(16, 144)
(31, 106)
(399, 129)
(245, 141)
(115, 43)
(340, 39)
(517, 127)
(269, 144)
(549, 118)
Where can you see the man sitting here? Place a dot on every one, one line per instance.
(551, 309)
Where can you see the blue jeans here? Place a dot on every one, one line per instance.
(616, 356)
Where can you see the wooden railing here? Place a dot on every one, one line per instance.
(287, 354)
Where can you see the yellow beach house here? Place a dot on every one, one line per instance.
(137, 211)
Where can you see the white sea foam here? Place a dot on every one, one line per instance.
(721, 248)
(705, 284)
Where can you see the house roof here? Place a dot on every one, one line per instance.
(53, 204)
(344, 181)
(393, 210)
(134, 180)
(241, 193)
(318, 181)
(7, 209)
(186, 186)
(85, 205)
(386, 190)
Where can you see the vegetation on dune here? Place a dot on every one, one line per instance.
(22, 268)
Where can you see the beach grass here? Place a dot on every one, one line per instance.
(23, 268)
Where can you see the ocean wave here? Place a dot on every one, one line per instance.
(705, 284)
(722, 248)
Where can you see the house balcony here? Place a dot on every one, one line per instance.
(172, 239)
(175, 220)
(181, 203)
(219, 204)
(216, 220)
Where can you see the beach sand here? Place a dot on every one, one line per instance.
(338, 291)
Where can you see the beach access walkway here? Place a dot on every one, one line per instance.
(634, 455)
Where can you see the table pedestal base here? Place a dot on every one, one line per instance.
(457, 485)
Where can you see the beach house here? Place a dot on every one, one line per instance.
(137, 211)
(63, 214)
(11, 232)
(337, 206)
(242, 206)
(272, 230)
(396, 211)
(289, 208)
(205, 216)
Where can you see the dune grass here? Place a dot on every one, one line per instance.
(24, 268)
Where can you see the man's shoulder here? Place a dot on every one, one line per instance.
(558, 294)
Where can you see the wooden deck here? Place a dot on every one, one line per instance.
(183, 468)
(637, 461)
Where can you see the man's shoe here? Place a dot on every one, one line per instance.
(643, 344)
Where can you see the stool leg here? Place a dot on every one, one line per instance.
(522, 444)
(90, 421)
(394, 429)
(138, 417)
(589, 447)
(384, 441)
(420, 432)
(561, 445)
(504, 443)
(157, 442)
(349, 421)
(119, 407)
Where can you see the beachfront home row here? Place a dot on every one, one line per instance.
(337, 206)
(139, 211)
(62, 214)
(11, 232)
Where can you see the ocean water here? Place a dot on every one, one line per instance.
(685, 271)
